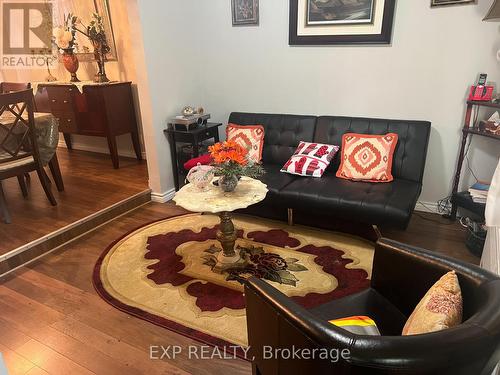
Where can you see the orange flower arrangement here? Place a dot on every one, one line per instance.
(229, 151)
(231, 161)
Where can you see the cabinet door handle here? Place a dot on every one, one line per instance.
(69, 120)
(65, 101)
(54, 101)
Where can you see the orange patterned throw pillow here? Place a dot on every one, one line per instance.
(441, 308)
(250, 137)
(367, 157)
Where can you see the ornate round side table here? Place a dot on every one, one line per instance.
(213, 200)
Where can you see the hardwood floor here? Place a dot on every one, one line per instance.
(53, 322)
(431, 231)
(91, 184)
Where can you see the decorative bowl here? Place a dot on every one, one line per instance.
(200, 176)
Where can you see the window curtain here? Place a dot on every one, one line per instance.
(491, 252)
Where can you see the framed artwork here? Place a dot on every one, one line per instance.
(437, 3)
(322, 22)
(83, 9)
(245, 12)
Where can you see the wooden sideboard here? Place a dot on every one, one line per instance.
(100, 110)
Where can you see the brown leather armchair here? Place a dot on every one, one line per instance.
(401, 277)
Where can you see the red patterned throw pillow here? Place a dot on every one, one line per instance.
(310, 159)
(250, 137)
(367, 157)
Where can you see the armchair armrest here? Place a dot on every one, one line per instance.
(274, 321)
(403, 274)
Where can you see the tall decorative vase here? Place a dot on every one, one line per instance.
(100, 58)
(70, 62)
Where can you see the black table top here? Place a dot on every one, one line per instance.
(198, 129)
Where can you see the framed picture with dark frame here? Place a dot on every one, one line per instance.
(245, 12)
(439, 3)
(329, 22)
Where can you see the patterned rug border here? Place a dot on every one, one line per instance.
(158, 320)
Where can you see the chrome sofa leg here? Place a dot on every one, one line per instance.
(290, 216)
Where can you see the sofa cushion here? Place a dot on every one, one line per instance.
(282, 133)
(411, 150)
(275, 180)
(389, 319)
(372, 203)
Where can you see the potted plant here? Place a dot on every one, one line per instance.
(231, 162)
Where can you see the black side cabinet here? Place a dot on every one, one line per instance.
(193, 137)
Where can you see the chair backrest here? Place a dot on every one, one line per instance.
(17, 127)
(8, 87)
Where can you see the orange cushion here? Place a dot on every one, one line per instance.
(367, 157)
(441, 308)
(250, 137)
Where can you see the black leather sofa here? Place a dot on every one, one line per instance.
(385, 204)
(401, 277)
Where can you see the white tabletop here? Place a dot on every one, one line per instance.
(249, 191)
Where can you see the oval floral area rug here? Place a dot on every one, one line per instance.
(162, 272)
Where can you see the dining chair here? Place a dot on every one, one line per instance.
(9, 87)
(6, 88)
(19, 152)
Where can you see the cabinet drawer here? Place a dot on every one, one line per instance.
(67, 122)
(61, 98)
(61, 104)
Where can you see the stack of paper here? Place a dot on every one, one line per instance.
(479, 192)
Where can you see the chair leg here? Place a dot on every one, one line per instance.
(290, 216)
(46, 185)
(4, 211)
(23, 186)
(56, 173)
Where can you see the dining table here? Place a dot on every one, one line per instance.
(47, 136)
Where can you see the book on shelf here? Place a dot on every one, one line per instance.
(479, 192)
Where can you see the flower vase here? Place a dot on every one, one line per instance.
(70, 62)
(228, 183)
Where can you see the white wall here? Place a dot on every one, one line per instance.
(435, 54)
(168, 80)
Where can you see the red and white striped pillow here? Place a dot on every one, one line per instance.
(310, 159)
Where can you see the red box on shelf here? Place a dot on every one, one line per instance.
(481, 93)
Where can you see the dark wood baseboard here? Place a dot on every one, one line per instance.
(42, 246)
